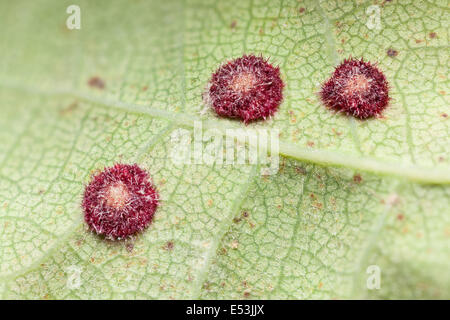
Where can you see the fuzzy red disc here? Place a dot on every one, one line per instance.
(120, 201)
(357, 88)
(247, 88)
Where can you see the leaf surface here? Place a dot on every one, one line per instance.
(349, 194)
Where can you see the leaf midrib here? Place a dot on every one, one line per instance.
(414, 173)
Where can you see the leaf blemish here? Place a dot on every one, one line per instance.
(69, 109)
(338, 133)
(357, 178)
(96, 82)
(392, 53)
(169, 246)
(300, 170)
(129, 247)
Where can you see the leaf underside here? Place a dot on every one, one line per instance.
(349, 194)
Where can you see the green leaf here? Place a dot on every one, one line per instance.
(349, 194)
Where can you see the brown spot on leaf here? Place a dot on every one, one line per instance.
(246, 294)
(169, 246)
(357, 178)
(444, 115)
(245, 214)
(96, 82)
(432, 35)
(336, 132)
(392, 53)
(302, 10)
(310, 144)
(233, 24)
(207, 285)
(237, 220)
(317, 204)
(129, 246)
(400, 216)
(292, 116)
(300, 170)
(69, 109)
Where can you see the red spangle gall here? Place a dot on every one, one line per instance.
(356, 88)
(248, 88)
(119, 201)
